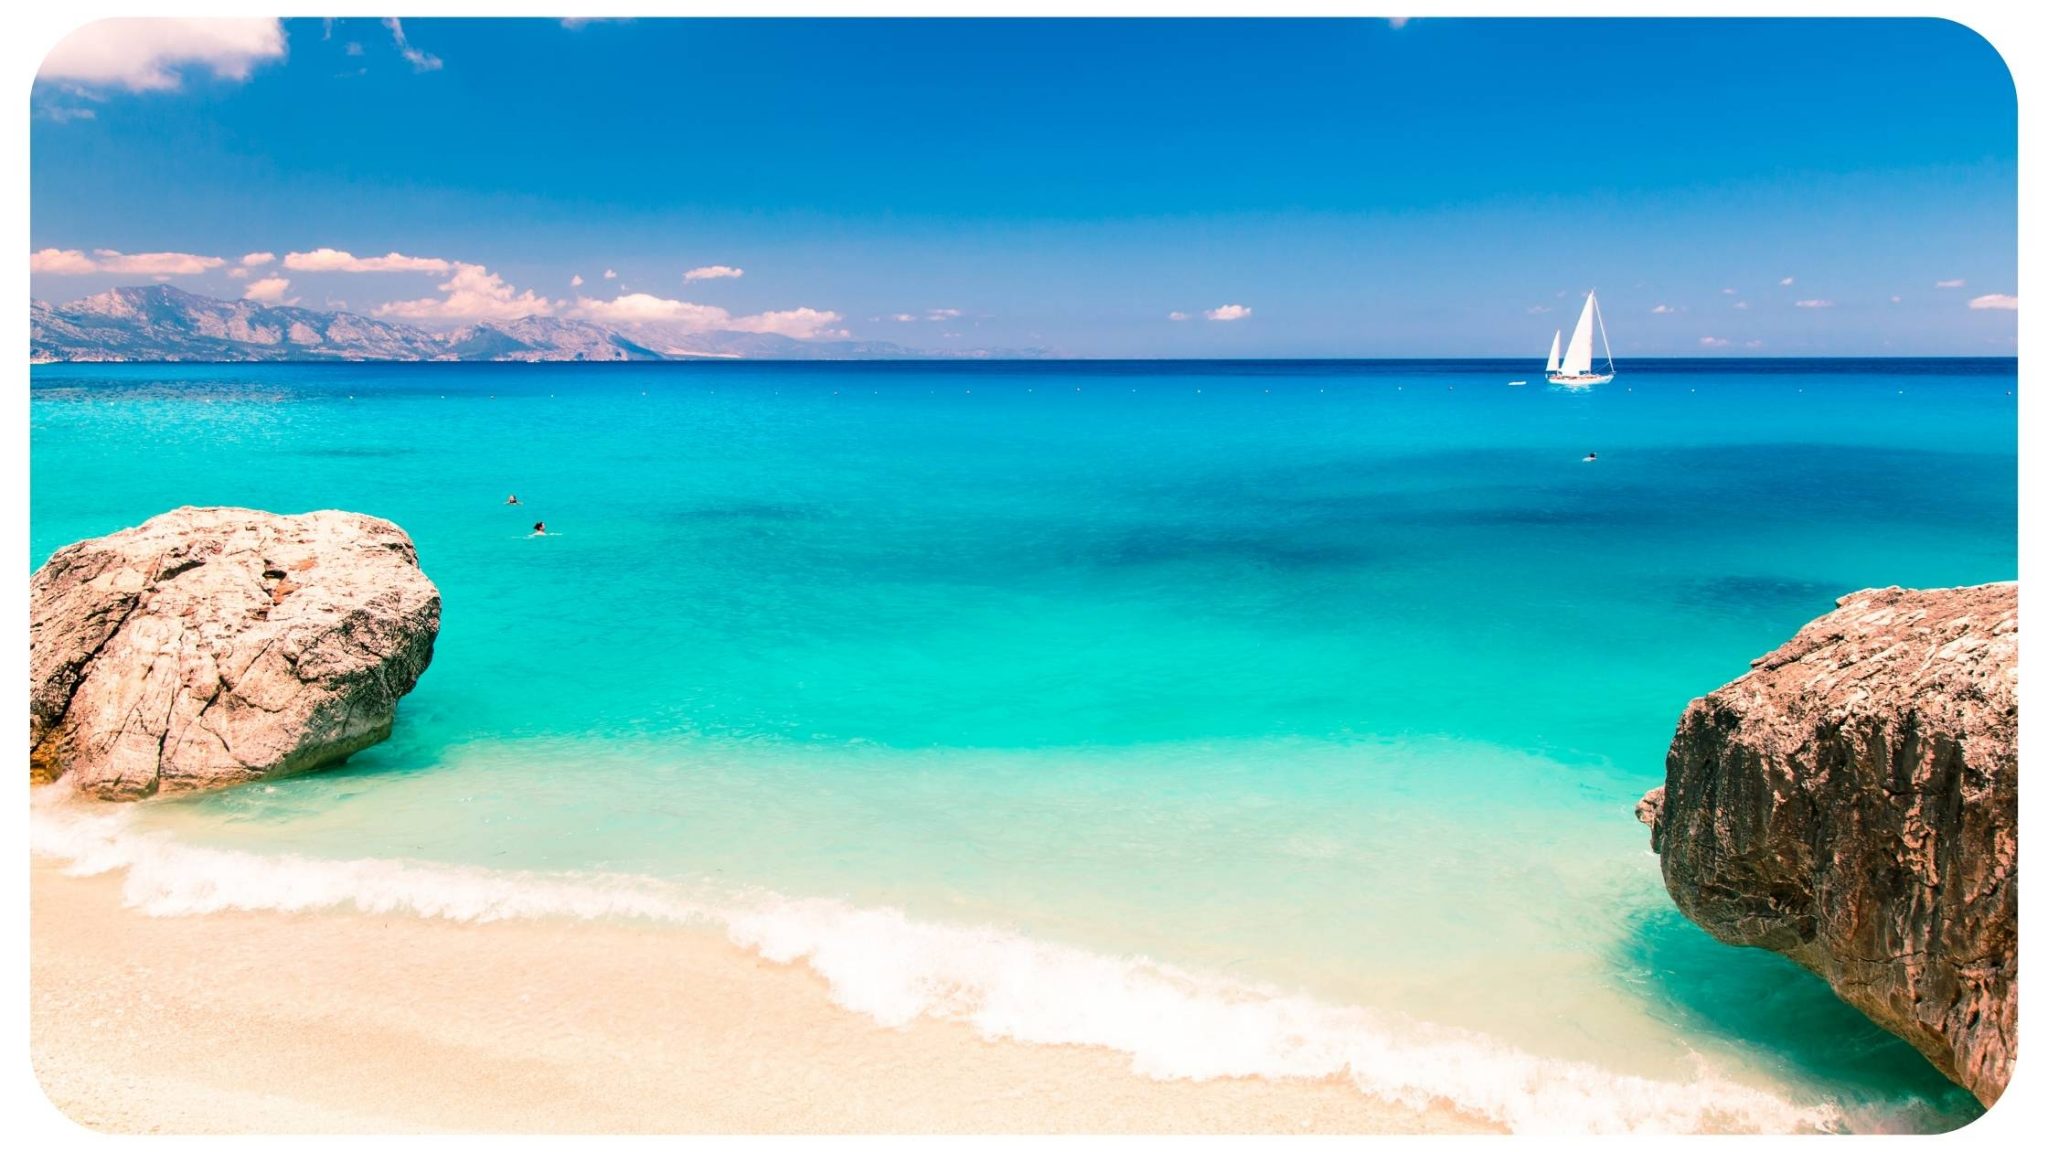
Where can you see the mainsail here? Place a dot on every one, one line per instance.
(1555, 338)
(1578, 355)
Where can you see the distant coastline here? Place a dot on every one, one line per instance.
(158, 324)
(161, 324)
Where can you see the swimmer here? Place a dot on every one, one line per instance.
(512, 499)
(540, 528)
(1591, 456)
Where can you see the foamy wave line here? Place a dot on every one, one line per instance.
(1173, 1023)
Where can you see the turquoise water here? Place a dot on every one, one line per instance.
(1328, 684)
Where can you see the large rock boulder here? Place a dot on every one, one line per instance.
(212, 646)
(1852, 802)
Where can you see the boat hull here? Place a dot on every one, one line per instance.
(1579, 380)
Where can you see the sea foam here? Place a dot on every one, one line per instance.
(1172, 1022)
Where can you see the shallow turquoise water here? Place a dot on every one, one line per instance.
(1334, 679)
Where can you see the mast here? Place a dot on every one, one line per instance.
(1556, 338)
(1605, 346)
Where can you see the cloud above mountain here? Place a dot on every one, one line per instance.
(714, 272)
(73, 262)
(472, 293)
(644, 309)
(331, 260)
(269, 290)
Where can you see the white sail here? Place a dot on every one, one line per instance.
(1578, 355)
(1556, 338)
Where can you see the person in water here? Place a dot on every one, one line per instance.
(1592, 456)
(540, 528)
(513, 499)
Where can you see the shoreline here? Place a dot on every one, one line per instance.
(344, 1021)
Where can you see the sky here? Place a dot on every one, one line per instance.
(1170, 188)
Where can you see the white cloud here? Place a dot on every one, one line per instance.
(1752, 343)
(643, 308)
(1538, 309)
(1895, 299)
(610, 275)
(1786, 282)
(154, 263)
(1728, 292)
(472, 293)
(258, 259)
(1997, 300)
(331, 260)
(943, 314)
(63, 114)
(1662, 310)
(1176, 315)
(1228, 312)
(1740, 305)
(903, 318)
(72, 262)
(1713, 342)
(61, 262)
(576, 281)
(1948, 283)
(633, 308)
(146, 55)
(714, 272)
(801, 323)
(269, 290)
(238, 273)
(420, 61)
(1813, 303)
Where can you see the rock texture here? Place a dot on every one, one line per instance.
(1852, 802)
(212, 646)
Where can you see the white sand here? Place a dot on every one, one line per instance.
(343, 1022)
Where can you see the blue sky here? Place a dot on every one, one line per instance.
(1444, 187)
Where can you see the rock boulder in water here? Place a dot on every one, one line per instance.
(212, 646)
(1852, 802)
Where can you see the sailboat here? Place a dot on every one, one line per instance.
(1576, 368)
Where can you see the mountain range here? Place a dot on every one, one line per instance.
(159, 322)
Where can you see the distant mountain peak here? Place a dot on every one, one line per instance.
(159, 322)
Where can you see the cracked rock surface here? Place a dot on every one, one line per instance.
(212, 646)
(1853, 802)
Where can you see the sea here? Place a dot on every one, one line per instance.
(1278, 719)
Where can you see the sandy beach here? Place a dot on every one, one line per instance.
(344, 1022)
